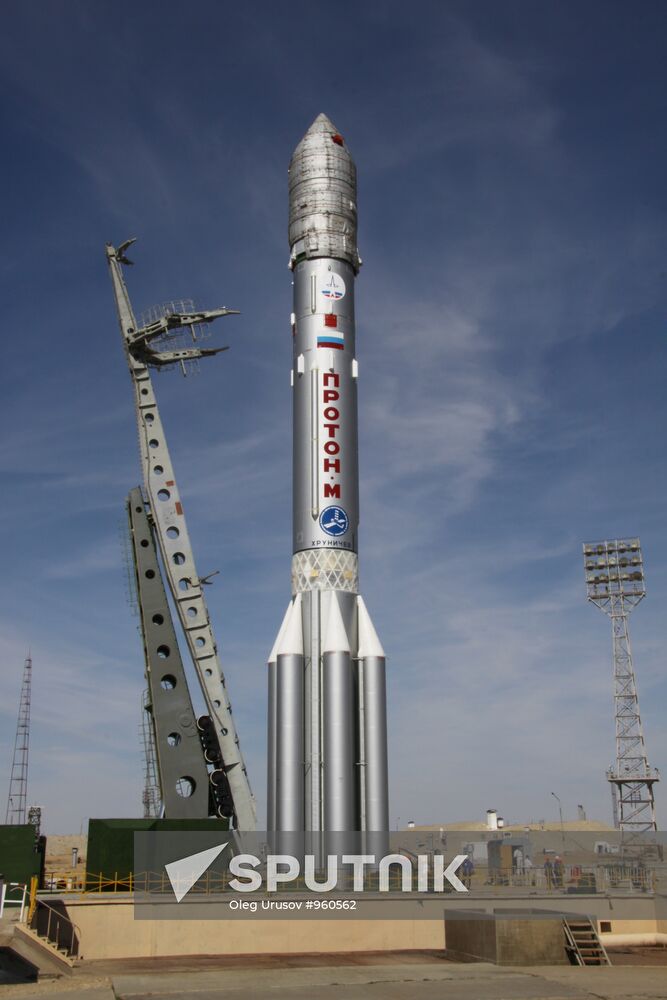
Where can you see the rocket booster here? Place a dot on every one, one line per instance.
(327, 754)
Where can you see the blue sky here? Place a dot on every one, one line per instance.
(511, 340)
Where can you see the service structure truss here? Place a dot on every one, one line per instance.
(156, 343)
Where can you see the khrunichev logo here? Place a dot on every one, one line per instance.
(334, 521)
(276, 872)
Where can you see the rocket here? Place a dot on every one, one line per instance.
(327, 726)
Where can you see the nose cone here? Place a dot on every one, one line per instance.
(323, 124)
(323, 197)
(321, 133)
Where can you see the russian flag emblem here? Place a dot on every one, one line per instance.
(331, 339)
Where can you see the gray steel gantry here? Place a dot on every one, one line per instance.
(182, 770)
(166, 516)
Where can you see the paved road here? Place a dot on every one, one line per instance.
(414, 981)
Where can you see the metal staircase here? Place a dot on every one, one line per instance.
(582, 943)
(50, 925)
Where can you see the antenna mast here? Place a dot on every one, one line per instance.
(18, 782)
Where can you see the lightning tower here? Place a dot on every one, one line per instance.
(18, 782)
(615, 584)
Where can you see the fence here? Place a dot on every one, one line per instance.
(494, 881)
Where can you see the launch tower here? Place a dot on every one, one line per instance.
(200, 766)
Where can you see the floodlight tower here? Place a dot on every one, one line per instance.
(18, 782)
(615, 584)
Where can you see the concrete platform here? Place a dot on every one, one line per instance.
(109, 926)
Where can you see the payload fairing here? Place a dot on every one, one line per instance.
(327, 749)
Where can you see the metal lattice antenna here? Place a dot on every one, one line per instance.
(615, 584)
(18, 782)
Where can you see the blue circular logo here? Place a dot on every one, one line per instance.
(334, 521)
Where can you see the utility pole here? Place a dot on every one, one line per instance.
(560, 813)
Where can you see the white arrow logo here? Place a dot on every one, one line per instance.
(184, 873)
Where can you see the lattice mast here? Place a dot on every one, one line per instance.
(186, 586)
(151, 799)
(18, 781)
(615, 584)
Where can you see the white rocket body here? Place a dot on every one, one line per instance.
(327, 754)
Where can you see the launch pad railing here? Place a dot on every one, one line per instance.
(494, 881)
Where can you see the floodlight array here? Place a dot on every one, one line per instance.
(614, 568)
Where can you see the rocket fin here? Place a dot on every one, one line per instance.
(335, 637)
(290, 641)
(369, 644)
(281, 631)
